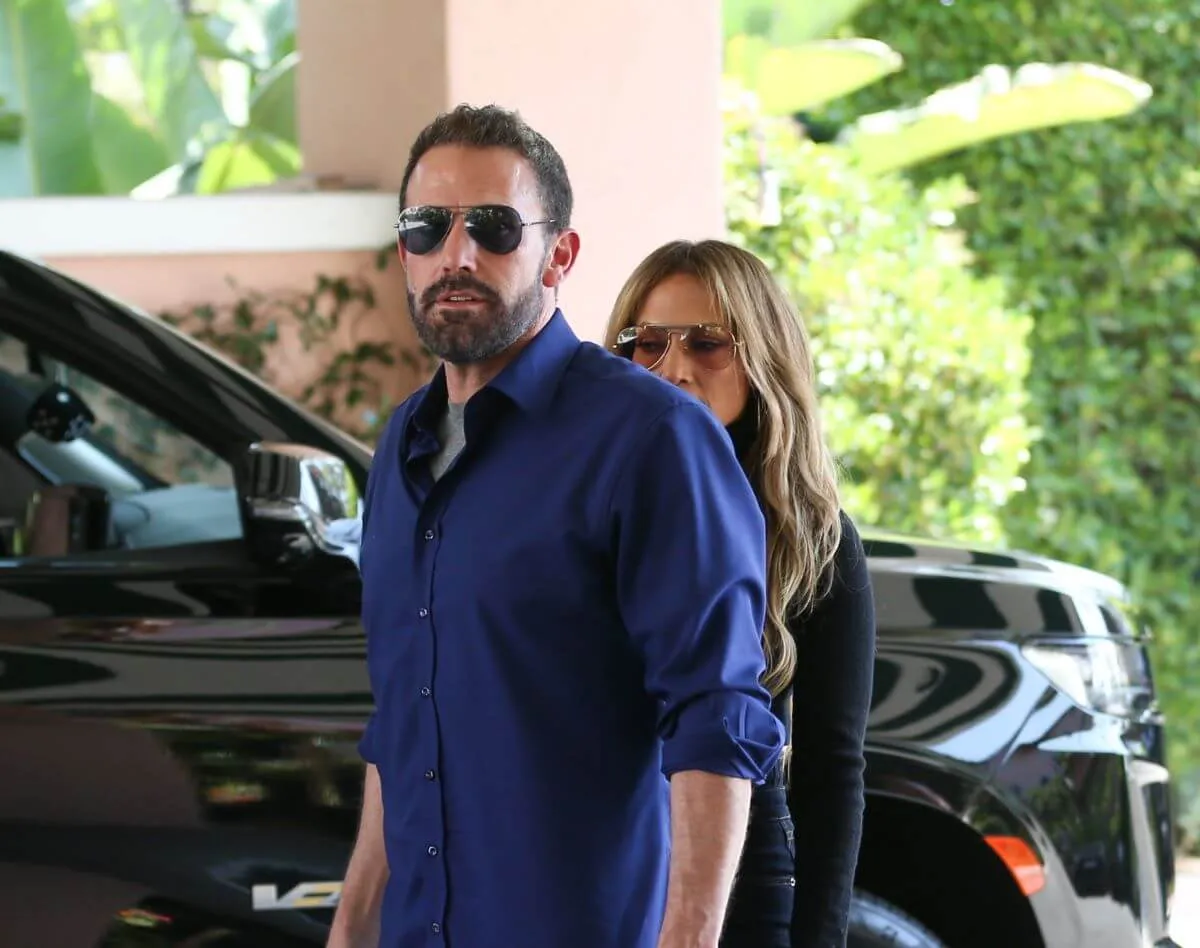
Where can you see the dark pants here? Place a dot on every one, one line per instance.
(760, 910)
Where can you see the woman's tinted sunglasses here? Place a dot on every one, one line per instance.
(496, 228)
(709, 346)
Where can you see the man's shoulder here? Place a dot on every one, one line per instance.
(610, 382)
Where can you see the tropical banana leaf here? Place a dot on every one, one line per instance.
(183, 105)
(799, 21)
(744, 55)
(793, 79)
(211, 36)
(48, 148)
(787, 22)
(273, 100)
(97, 27)
(255, 33)
(248, 158)
(279, 28)
(995, 103)
(127, 153)
(12, 124)
(245, 159)
(747, 18)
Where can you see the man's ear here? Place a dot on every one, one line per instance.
(562, 258)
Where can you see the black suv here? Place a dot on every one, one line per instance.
(182, 679)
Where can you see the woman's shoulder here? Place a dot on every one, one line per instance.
(850, 573)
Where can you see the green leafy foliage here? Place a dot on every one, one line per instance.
(995, 103)
(347, 389)
(246, 136)
(921, 364)
(273, 100)
(785, 23)
(12, 125)
(245, 159)
(800, 56)
(791, 79)
(1095, 228)
(127, 152)
(47, 147)
(163, 55)
(203, 102)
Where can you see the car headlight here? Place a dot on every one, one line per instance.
(1111, 676)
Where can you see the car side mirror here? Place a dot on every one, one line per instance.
(294, 497)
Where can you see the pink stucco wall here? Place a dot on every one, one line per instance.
(627, 90)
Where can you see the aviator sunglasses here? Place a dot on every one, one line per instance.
(710, 346)
(496, 228)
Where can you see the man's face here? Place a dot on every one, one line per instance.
(469, 304)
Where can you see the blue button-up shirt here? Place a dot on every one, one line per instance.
(571, 614)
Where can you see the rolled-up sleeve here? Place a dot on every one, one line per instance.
(691, 587)
(366, 743)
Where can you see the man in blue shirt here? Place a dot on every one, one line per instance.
(563, 594)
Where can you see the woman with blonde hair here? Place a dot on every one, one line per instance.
(710, 318)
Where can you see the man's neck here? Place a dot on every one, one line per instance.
(465, 379)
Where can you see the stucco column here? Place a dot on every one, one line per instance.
(627, 90)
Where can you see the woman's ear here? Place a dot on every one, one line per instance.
(562, 258)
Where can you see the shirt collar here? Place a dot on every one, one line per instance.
(429, 410)
(532, 378)
(529, 381)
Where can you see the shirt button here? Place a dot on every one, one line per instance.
(422, 612)
(429, 775)
(432, 850)
(435, 928)
(425, 692)
(428, 534)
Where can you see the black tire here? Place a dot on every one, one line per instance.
(875, 923)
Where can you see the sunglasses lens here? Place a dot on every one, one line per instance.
(710, 346)
(646, 345)
(422, 229)
(496, 228)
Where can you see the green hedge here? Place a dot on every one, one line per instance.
(921, 364)
(1097, 229)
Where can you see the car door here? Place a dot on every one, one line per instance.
(177, 722)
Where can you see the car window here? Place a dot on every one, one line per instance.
(135, 434)
(162, 486)
(147, 450)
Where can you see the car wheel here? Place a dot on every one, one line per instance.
(875, 923)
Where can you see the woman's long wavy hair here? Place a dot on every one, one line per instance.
(790, 466)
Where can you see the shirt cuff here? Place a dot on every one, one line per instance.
(730, 734)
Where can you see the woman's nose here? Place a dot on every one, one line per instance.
(674, 366)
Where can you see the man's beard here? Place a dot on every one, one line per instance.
(461, 337)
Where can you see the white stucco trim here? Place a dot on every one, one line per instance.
(227, 223)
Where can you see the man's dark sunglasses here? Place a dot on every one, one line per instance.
(496, 228)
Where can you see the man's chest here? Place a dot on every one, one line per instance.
(516, 536)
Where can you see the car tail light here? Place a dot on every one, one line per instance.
(1022, 862)
(1111, 676)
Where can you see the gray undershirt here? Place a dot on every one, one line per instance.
(452, 437)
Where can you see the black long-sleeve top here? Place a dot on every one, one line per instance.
(830, 701)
